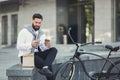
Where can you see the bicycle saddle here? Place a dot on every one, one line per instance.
(112, 48)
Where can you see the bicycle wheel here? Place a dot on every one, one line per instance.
(66, 71)
(114, 71)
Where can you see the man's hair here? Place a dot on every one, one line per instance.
(37, 15)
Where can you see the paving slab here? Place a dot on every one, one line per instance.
(8, 57)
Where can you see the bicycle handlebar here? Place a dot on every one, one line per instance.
(90, 43)
(83, 44)
(71, 36)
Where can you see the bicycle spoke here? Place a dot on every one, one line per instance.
(66, 72)
(114, 71)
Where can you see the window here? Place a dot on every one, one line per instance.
(14, 21)
(117, 20)
(4, 30)
(77, 14)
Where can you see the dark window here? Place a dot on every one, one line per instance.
(14, 23)
(77, 14)
(4, 30)
(117, 17)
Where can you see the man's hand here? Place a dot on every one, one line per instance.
(47, 43)
(35, 43)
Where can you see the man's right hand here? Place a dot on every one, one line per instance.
(35, 43)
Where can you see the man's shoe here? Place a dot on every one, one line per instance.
(45, 71)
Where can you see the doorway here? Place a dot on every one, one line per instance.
(81, 20)
(79, 15)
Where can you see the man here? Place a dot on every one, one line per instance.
(32, 40)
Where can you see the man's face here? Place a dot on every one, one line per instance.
(36, 23)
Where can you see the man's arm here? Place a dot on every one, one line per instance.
(23, 43)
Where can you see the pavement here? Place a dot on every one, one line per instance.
(8, 57)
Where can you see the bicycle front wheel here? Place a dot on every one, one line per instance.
(66, 71)
(114, 71)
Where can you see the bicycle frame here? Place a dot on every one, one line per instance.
(78, 54)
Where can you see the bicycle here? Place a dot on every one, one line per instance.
(70, 69)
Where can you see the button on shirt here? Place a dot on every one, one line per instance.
(24, 42)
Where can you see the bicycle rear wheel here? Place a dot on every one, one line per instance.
(114, 71)
(66, 71)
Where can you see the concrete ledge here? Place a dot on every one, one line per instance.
(17, 72)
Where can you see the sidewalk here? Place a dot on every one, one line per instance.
(8, 57)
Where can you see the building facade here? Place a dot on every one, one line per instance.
(90, 20)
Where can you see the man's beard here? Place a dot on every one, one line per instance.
(34, 27)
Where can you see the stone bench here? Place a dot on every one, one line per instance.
(18, 72)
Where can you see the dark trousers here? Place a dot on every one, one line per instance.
(45, 58)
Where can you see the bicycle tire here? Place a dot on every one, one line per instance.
(66, 71)
(114, 71)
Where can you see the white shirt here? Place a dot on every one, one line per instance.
(24, 42)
